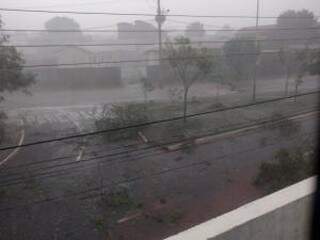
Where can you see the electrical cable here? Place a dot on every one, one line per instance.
(156, 31)
(154, 122)
(143, 14)
(126, 153)
(271, 52)
(149, 44)
(134, 179)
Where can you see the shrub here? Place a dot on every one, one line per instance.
(121, 116)
(286, 169)
(119, 200)
(286, 126)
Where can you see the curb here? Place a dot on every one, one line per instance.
(210, 138)
(15, 151)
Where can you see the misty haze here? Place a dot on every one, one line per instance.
(141, 119)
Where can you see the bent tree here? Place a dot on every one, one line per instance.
(12, 76)
(302, 61)
(189, 64)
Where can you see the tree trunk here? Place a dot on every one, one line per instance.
(254, 85)
(218, 91)
(296, 89)
(185, 103)
(145, 95)
(286, 87)
(145, 100)
(100, 180)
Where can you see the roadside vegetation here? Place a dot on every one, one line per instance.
(13, 77)
(285, 126)
(314, 66)
(286, 168)
(168, 217)
(113, 207)
(189, 65)
(118, 116)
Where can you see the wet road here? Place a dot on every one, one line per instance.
(187, 178)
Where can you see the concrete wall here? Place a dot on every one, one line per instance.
(284, 215)
(287, 223)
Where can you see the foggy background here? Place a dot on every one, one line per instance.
(226, 7)
(104, 135)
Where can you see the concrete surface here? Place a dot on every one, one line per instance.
(282, 215)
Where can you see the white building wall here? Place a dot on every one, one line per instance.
(284, 215)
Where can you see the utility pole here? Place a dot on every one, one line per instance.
(160, 19)
(257, 52)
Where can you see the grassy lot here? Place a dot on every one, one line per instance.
(219, 121)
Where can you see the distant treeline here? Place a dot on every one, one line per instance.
(269, 67)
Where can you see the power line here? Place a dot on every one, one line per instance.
(64, 172)
(108, 158)
(142, 14)
(149, 147)
(74, 156)
(75, 12)
(134, 179)
(188, 23)
(112, 154)
(141, 60)
(46, 175)
(121, 157)
(154, 122)
(151, 43)
(75, 4)
(155, 31)
(57, 159)
(206, 163)
(78, 194)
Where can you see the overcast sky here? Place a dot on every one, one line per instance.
(199, 7)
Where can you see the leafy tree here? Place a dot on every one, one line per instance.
(295, 63)
(241, 56)
(226, 33)
(296, 19)
(195, 30)
(286, 59)
(146, 86)
(301, 22)
(12, 76)
(302, 61)
(139, 30)
(189, 64)
(63, 23)
(219, 73)
(314, 67)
